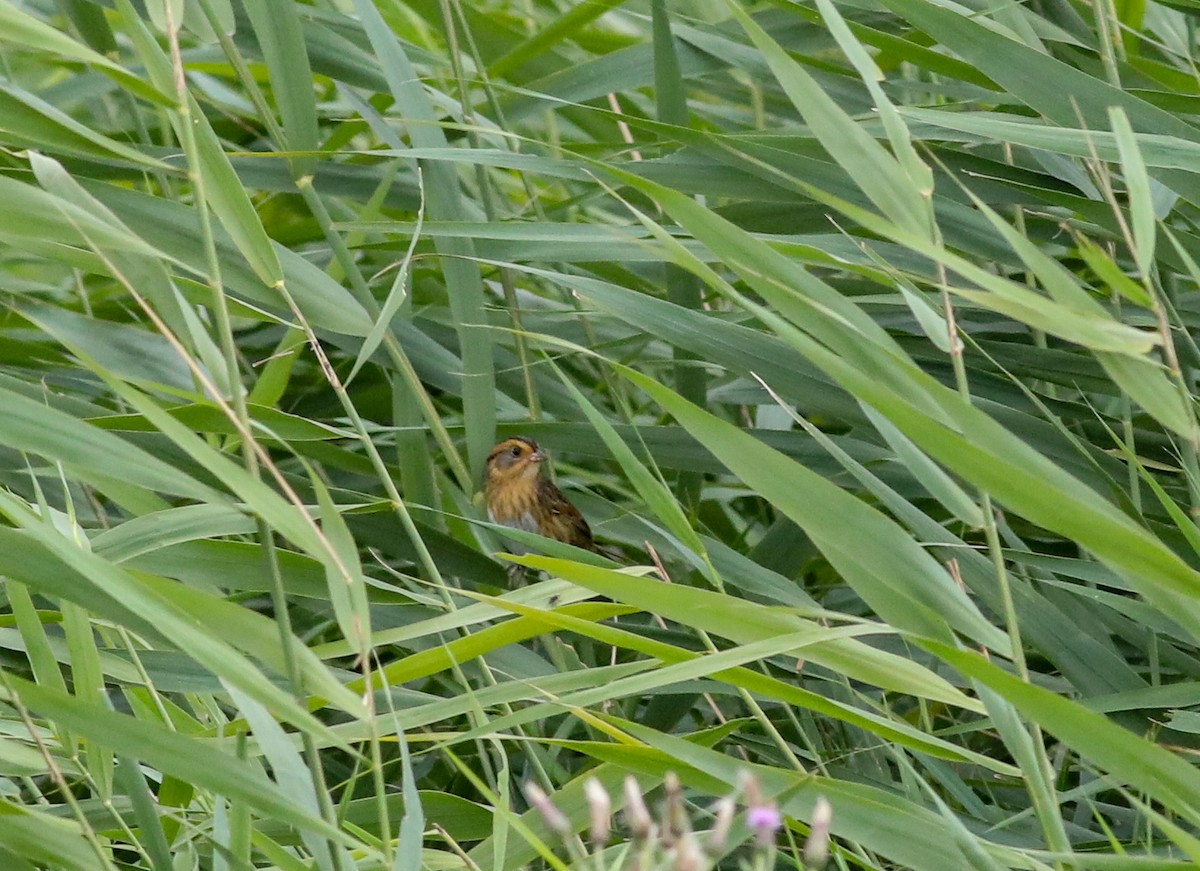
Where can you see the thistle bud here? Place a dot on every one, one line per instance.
(600, 806)
(636, 814)
(674, 815)
(816, 848)
(723, 812)
(748, 784)
(555, 819)
(688, 856)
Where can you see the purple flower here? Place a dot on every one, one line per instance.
(764, 818)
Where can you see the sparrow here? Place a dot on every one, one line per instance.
(517, 495)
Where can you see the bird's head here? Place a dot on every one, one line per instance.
(514, 459)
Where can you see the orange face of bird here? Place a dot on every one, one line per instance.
(514, 460)
(518, 496)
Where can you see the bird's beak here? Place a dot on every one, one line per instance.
(538, 456)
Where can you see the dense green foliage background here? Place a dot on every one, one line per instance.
(868, 324)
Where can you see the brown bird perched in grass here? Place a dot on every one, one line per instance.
(518, 496)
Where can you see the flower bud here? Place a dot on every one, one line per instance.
(674, 814)
(748, 783)
(816, 848)
(555, 819)
(688, 856)
(722, 811)
(600, 806)
(636, 814)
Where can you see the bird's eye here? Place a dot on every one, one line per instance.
(516, 450)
